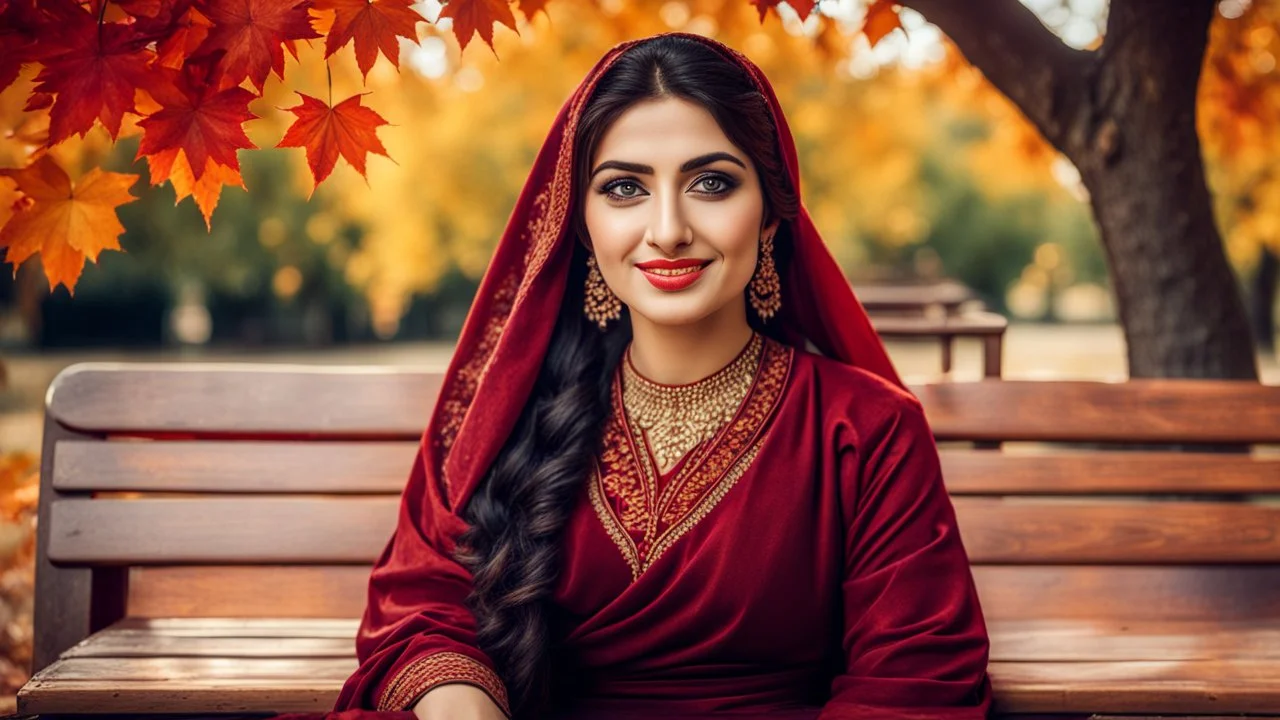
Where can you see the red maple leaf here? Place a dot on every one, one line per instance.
(803, 8)
(346, 129)
(190, 29)
(91, 72)
(374, 25)
(478, 16)
(253, 33)
(18, 32)
(198, 118)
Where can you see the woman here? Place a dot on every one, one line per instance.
(671, 471)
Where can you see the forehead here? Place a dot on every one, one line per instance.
(661, 132)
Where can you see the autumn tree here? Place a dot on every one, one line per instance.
(183, 73)
(1125, 115)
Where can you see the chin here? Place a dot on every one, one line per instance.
(678, 313)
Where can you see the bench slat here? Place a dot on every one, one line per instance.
(1182, 687)
(175, 685)
(1033, 531)
(1222, 593)
(244, 399)
(365, 402)
(1091, 640)
(1153, 411)
(272, 627)
(296, 684)
(233, 467)
(1011, 640)
(318, 591)
(319, 530)
(222, 530)
(381, 467)
(1190, 593)
(991, 472)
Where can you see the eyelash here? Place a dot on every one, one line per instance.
(609, 187)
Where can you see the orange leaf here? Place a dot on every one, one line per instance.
(172, 165)
(882, 19)
(373, 25)
(347, 128)
(478, 16)
(62, 222)
(196, 117)
(253, 33)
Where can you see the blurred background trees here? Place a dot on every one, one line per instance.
(915, 167)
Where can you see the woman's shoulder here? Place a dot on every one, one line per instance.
(852, 393)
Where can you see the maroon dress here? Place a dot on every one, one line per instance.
(803, 563)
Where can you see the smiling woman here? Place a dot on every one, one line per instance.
(671, 471)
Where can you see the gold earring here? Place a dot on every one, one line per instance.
(600, 305)
(766, 287)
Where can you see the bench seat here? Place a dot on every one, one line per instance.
(205, 535)
(299, 664)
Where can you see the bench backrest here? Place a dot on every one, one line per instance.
(243, 491)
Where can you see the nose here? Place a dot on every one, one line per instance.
(669, 230)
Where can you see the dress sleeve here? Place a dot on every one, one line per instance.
(417, 632)
(915, 643)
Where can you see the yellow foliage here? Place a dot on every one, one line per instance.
(1238, 120)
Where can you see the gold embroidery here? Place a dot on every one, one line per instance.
(676, 418)
(421, 675)
(624, 481)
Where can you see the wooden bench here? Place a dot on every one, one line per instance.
(986, 327)
(205, 534)
(936, 312)
(920, 299)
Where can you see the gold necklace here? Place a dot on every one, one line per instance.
(675, 418)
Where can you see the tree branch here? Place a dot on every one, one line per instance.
(1046, 79)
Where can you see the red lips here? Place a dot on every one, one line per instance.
(664, 264)
(672, 275)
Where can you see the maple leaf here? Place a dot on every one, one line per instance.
(346, 129)
(253, 34)
(62, 222)
(91, 73)
(478, 16)
(374, 25)
(172, 165)
(882, 19)
(196, 117)
(18, 31)
(190, 31)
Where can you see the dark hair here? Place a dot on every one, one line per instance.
(518, 513)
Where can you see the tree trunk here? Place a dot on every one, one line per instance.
(1138, 153)
(1264, 300)
(1125, 115)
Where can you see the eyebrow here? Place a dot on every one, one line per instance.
(693, 164)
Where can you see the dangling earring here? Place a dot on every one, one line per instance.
(600, 305)
(766, 288)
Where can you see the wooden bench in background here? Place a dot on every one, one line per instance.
(205, 535)
(942, 311)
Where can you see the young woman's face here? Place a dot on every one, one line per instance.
(674, 213)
